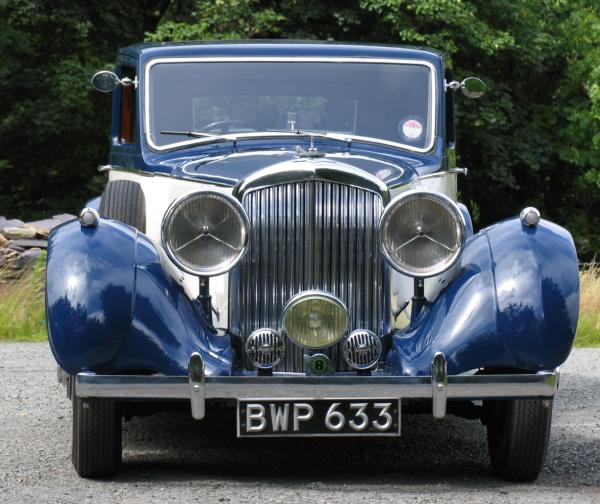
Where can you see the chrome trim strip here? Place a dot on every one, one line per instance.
(221, 184)
(157, 387)
(109, 168)
(304, 170)
(289, 59)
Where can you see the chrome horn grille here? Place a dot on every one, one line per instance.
(265, 348)
(362, 349)
(306, 235)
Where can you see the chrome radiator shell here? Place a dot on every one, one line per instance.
(310, 233)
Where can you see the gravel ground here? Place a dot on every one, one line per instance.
(171, 458)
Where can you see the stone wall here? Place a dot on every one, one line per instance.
(22, 243)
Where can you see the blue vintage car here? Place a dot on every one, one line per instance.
(280, 235)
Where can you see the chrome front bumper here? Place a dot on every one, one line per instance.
(197, 388)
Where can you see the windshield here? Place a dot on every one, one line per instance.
(379, 101)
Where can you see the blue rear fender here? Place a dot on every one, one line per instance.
(513, 305)
(111, 308)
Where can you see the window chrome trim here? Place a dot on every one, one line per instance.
(433, 85)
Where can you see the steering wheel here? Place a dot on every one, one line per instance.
(223, 126)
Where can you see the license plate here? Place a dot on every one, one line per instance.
(353, 417)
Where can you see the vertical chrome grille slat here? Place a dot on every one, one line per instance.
(310, 235)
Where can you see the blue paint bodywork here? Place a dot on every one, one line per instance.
(113, 308)
(514, 305)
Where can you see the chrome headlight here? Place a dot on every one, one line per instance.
(422, 233)
(315, 319)
(205, 233)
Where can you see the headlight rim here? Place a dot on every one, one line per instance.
(301, 296)
(444, 266)
(213, 271)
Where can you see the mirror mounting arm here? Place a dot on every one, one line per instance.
(452, 86)
(126, 81)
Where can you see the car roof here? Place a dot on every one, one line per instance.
(275, 48)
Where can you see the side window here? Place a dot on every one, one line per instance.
(127, 107)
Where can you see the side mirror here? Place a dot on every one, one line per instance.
(472, 87)
(107, 82)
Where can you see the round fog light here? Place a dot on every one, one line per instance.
(530, 216)
(315, 319)
(89, 217)
(265, 348)
(362, 349)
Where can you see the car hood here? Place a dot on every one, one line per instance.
(235, 168)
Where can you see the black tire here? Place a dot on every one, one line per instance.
(123, 200)
(518, 432)
(97, 437)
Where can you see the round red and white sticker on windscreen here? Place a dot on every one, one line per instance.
(412, 129)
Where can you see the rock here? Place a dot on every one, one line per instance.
(6, 257)
(15, 248)
(14, 233)
(3, 241)
(39, 232)
(6, 223)
(44, 226)
(26, 244)
(26, 259)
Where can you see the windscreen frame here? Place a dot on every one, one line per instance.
(433, 96)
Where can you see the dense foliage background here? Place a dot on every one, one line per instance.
(533, 139)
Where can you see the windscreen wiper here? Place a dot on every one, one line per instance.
(195, 134)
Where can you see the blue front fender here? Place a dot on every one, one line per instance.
(513, 305)
(111, 307)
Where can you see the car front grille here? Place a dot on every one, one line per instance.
(309, 235)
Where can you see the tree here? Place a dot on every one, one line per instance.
(534, 137)
(53, 127)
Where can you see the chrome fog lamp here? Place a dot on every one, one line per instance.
(89, 217)
(422, 233)
(315, 319)
(205, 233)
(361, 349)
(265, 348)
(530, 216)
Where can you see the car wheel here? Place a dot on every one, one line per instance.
(123, 200)
(518, 432)
(96, 437)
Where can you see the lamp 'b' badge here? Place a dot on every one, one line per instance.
(318, 364)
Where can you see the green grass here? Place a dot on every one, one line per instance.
(588, 329)
(22, 314)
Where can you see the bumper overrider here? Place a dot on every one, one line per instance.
(198, 388)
